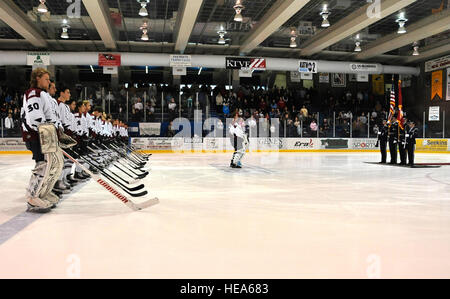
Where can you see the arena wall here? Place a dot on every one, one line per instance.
(217, 145)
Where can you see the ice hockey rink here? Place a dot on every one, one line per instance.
(284, 215)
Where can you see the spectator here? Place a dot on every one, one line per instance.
(304, 113)
(139, 106)
(172, 109)
(313, 126)
(9, 125)
(297, 125)
(219, 101)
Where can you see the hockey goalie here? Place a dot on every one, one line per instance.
(39, 127)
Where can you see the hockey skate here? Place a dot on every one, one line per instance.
(61, 187)
(37, 205)
(52, 198)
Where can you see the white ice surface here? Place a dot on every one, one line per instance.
(289, 215)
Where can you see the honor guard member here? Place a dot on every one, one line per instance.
(411, 134)
(382, 141)
(402, 142)
(393, 139)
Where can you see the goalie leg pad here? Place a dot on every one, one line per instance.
(38, 175)
(55, 163)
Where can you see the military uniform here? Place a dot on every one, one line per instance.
(382, 141)
(411, 135)
(393, 141)
(402, 145)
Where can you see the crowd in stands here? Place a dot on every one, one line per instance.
(302, 112)
(10, 111)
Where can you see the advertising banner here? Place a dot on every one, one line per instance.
(437, 64)
(448, 84)
(237, 63)
(363, 144)
(306, 76)
(295, 77)
(362, 77)
(106, 59)
(179, 71)
(334, 144)
(434, 113)
(364, 67)
(150, 129)
(432, 145)
(12, 144)
(436, 85)
(378, 84)
(38, 58)
(324, 78)
(307, 66)
(180, 61)
(339, 80)
(301, 144)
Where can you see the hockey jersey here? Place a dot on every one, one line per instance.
(36, 110)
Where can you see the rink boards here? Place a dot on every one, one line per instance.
(211, 145)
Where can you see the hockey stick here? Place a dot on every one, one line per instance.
(142, 174)
(133, 149)
(131, 152)
(132, 163)
(133, 158)
(134, 181)
(120, 185)
(115, 165)
(126, 201)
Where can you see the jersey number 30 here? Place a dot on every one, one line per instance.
(35, 106)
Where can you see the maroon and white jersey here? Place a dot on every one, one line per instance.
(37, 110)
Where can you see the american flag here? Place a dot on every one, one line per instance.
(392, 104)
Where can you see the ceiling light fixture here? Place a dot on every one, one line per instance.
(42, 8)
(221, 33)
(358, 47)
(293, 42)
(65, 33)
(144, 29)
(294, 35)
(325, 14)
(416, 49)
(401, 20)
(238, 7)
(144, 36)
(143, 11)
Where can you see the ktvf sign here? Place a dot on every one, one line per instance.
(241, 63)
(41, 58)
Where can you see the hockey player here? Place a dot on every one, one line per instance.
(41, 138)
(59, 187)
(68, 121)
(239, 141)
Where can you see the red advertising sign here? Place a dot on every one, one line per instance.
(108, 59)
